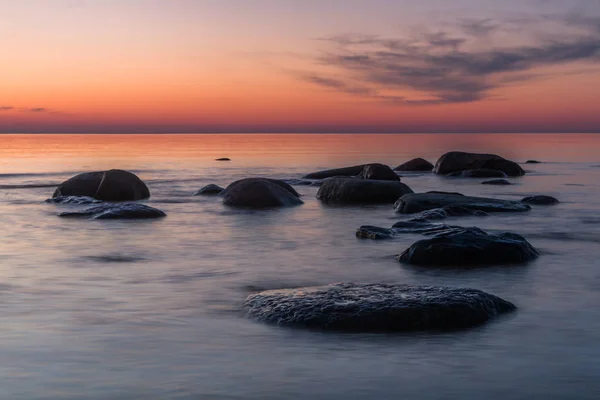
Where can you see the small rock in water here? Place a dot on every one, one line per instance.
(533, 162)
(73, 200)
(496, 182)
(540, 200)
(211, 189)
(416, 164)
(351, 307)
(471, 246)
(117, 211)
(223, 159)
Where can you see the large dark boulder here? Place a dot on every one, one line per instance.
(456, 161)
(479, 173)
(540, 200)
(112, 185)
(209, 190)
(418, 202)
(260, 193)
(328, 173)
(378, 172)
(470, 246)
(361, 191)
(353, 307)
(117, 211)
(416, 164)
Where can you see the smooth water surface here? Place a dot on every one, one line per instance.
(152, 309)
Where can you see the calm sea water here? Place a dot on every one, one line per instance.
(151, 309)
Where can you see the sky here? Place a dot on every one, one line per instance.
(136, 66)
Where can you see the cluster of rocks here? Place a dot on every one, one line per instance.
(350, 306)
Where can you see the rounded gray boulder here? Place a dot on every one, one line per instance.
(416, 164)
(208, 190)
(111, 185)
(378, 172)
(353, 307)
(456, 161)
(260, 193)
(345, 190)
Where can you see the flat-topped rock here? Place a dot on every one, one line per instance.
(117, 211)
(354, 170)
(344, 190)
(223, 159)
(111, 185)
(418, 202)
(456, 161)
(73, 200)
(416, 164)
(260, 193)
(351, 307)
(404, 227)
(468, 247)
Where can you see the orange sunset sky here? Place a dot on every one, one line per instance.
(299, 66)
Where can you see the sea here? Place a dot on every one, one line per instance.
(153, 309)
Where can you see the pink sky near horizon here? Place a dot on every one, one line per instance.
(228, 66)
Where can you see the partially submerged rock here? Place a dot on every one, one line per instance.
(404, 227)
(223, 159)
(117, 211)
(472, 246)
(361, 191)
(456, 161)
(260, 193)
(448, 211)
(328, 173)
(73, 200)
(498, 182)
(112, 185)
(418, 202)
(375, 307)
(378, 172)
(479, 173)
(416, 164)
(532, 162)
(211, 189)
(540, 200)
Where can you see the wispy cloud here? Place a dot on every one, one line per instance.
(6, 108)
(461, 64)
(26, 109)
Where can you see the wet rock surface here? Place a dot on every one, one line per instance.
(378, 172)
(354, 170)
(208, 190)
(456, 161)
(499, 182)
(343, 190)
(260, 193)
(540, 200)
(73, 200)
(478, 173)
(416, 164)
(117, 211)
(469, 247)
(111, 185)
(418, 202)
(353, 307)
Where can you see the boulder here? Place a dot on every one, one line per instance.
(112, 185)
(345, 190)
(479, 173)
(349, 307)
(456, 161)
(260, 193)
(540, 200)
(208, 190)
(418, 202)
(533, 162)
(446, 212)
(416, 164)
(346, 171)
(117, 211)
(467, 247)
(496, 182)
(378, 172)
